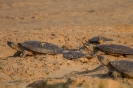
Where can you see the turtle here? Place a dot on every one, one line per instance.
(111, 49)
(100, 40)
(97, 40)
(70, 54)
(34, 47)
(118, 68)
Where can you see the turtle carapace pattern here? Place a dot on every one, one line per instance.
(111, 49)
(114, 48)
(34, 47)
(118, 68)
(42, 47)
(73, 54)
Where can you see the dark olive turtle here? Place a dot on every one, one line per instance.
(111, 49)
(35, 47)
(99, 40)
(73, 54)
(122, 68)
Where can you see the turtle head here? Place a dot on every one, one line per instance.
(103, 60)
(100, 40)
(12, 45)
(89, 47)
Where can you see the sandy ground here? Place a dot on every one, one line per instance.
(68, 23)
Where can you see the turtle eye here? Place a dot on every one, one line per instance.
(100, 58)
(9, 43)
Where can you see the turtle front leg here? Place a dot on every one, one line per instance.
(107, 74)
(17, 53)
(24, 53)
(114, 74)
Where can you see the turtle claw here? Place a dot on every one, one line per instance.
(24, 53)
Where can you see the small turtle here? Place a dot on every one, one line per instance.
(119, 68)
(34, 47)
(100, 40)
(111, 49)
(97, 40)
(73, 54)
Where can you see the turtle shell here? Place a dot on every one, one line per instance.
(95, 39)
(42, 47)
(117, 49)
(73, 54)
(124, 66)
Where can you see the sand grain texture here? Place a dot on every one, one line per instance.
(68, 23)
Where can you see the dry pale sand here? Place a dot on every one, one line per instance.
(68, 23)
